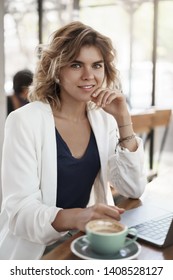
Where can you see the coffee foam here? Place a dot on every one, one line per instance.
(105, 226)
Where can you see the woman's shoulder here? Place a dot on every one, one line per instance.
(32, 113)
(30, 109)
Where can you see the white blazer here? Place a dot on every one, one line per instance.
(29, 177)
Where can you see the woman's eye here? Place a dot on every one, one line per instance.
(75, 65)
(97, 65)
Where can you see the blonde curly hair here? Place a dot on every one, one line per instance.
(64, 47)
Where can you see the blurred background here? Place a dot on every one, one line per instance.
(141, 31)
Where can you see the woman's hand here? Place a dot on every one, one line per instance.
(98, 211)
(112, 101)
(77, 218)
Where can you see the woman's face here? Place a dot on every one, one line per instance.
(82, 77)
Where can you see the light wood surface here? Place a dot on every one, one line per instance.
(160, 189)
(145, 123)
(146, 120)
(142, 122)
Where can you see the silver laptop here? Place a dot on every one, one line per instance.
(154, 224)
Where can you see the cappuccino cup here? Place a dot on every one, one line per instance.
(108, 236)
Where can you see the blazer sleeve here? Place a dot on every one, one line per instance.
(29, 217)
(127, 170)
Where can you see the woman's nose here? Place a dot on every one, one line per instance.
(87, 73)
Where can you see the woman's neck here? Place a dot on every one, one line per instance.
(70, 113)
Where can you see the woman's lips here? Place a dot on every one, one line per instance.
(87, 87)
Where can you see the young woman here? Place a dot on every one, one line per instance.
(62, 151)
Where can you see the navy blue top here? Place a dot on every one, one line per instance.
(75, 175)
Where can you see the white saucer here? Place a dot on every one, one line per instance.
(81, 248)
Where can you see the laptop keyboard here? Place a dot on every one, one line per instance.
(155, 229)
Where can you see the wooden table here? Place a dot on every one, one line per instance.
(161, 189)
(145, 122)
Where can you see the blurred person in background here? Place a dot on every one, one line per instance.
(21, 82)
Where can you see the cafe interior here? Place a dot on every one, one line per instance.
(141, 32)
